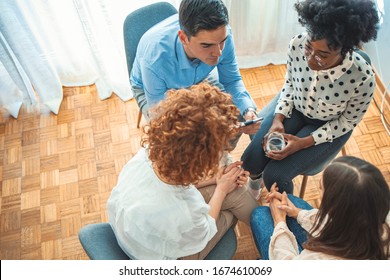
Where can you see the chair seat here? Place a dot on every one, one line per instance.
(99, 242)
(225, 248)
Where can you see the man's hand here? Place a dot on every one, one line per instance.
(252, 128)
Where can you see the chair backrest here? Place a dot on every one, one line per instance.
(364, 55)
(140, 21)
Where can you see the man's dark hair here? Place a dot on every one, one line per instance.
(343, 23)
(196, 15)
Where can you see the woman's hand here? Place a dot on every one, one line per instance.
(278, 214)
(227, 181)
(294, 144)
(243, 178)
(277, 126)
(289, 207)
(231, 177)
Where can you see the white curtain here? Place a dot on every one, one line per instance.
(45, 45)
(262, 30)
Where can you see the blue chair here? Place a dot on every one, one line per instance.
(135, 25)
(318, 169)
(99, 242)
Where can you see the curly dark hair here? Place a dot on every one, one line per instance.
(343, 23)
(188, 133)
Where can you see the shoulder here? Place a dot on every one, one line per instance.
(297, 41)
(362, 62)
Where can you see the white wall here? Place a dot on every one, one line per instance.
(379, 51)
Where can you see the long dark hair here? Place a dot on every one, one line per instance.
(351, 221)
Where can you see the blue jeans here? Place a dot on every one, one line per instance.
(305, 161)
(262, 226)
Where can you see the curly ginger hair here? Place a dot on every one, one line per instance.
(188, 133)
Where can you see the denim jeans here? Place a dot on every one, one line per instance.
(302, 162)
(262, 226)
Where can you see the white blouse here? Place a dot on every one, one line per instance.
(284, 246)
(339, 95)
(154, 220)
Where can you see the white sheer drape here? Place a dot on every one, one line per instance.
(262, 30)
(45, 45)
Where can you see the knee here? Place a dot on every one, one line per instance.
(250, 161)
(260, 216)
(282, 180)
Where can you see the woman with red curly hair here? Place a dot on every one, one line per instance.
(172, 199)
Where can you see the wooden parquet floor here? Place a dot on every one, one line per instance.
(57, 171)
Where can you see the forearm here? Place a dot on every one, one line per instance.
(216, 203)
(279, 118)
(306, 142)
(283, 244)
(206, 183)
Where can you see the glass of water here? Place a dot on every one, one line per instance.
(275, 142)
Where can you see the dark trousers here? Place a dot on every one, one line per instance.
(304, 161)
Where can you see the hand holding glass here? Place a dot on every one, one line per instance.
(275, 142)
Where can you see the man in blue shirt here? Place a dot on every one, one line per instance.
(183, 50)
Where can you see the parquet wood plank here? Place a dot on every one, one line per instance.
(57, 171)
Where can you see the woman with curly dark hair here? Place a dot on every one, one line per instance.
(352, 222)
(172, 199)
(327, 91)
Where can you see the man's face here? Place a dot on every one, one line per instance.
(206, 46)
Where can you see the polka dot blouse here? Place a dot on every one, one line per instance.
(340, 95)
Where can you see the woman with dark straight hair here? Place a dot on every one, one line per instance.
(353, 221)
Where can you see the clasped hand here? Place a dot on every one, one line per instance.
(231, 177)
(280, 205)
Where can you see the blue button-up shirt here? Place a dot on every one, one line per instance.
(162, 64)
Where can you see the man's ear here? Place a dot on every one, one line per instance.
(183, 37)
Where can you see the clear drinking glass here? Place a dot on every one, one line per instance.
(275, 142)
